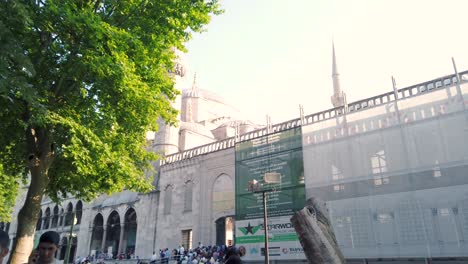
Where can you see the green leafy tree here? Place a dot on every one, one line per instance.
(81, 82)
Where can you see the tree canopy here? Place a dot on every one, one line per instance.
(81, 82)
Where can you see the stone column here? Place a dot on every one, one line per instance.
(122, 229)
(104, 238)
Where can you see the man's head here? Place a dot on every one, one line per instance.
(48, 245)
(242, 251)
(4, 241)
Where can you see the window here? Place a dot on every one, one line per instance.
(338, 187)
(187, 239)
(188, 196)
(342, 220)
(336, 173)
(384, 218)
(444, 212)
(168, 200)
(436, 172)
(381, 181)
(379, 162)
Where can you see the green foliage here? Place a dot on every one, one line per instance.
(8, 190)
(94, 75)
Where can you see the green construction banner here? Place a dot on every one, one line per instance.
(278, 154)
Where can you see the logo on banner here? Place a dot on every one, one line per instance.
(254, 251)
(249, 229)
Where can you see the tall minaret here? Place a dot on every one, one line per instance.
(337, 98)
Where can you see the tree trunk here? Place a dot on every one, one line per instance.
(316, 234)
(38, 162)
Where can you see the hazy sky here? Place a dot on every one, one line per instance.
(269, 56)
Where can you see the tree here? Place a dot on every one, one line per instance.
(81, 82)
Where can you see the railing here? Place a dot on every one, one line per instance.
(360, 105)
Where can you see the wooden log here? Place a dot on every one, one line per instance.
(316, 234)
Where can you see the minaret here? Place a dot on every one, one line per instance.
(337, 98)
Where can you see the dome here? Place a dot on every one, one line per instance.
(197, 128)
(199, 93)
(235, 123)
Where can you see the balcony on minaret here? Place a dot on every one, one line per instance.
(337, 100)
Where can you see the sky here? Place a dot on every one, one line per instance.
(269, 56)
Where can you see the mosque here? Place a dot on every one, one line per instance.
(392, 168)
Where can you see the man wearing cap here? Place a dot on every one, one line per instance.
(48, 245)
(4, 241)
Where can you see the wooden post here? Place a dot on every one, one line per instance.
(316, 234)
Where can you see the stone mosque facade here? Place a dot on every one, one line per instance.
(392, 169)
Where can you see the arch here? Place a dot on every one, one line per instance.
(45, 225)
(188, 196)
(61, 217)
(55, 217)
(168, 199)
(113, 233)
(79, 211)
(130, 232)
(223, 194)
(223, 208)
(74, 243)
(97, 233)
(2, 226)
(69, 214)
(39, 221)
(63, 248)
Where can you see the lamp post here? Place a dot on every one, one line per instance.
(70, 239)
(265, 225)
(254, 186)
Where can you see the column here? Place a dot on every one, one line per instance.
(104, 238)
(122, 229)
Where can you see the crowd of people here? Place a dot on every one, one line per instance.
(49, 243)
(200, 254)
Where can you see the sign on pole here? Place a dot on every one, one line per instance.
(275, 161)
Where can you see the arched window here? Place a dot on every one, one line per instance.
(97, 233)
(168, 200)
(130, 231)
(223, 195)
(79, 212)
(61, 217)
(39, 221)
(46, 219)
(113, 233)
(55, 217)
(63, 248)
(188, 196)
(69, 214)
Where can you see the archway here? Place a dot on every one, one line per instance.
(97, 234)
(63, 248)
(39, 221)
(61, 217)
(55, 217)
(69, 214)
(113, 234)
(46, 219)
(74, 243)
(130, 232)
(79, 212)
(223, 209)
(225, 231)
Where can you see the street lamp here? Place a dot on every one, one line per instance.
(256, 187)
